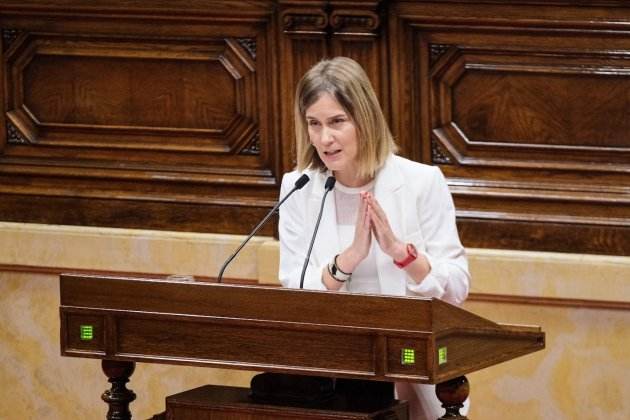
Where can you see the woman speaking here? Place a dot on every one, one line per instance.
(389, 226)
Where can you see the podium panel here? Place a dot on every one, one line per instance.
(124, 320)
(229, 403)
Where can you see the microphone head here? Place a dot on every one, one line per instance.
(301, 181)
(330, 183)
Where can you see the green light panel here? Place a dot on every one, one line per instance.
(87, 332)
(408, 357)
(442, 355)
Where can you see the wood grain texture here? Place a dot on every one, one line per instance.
(230, 403)
(115, 110)
(281, 330)
(527, 119)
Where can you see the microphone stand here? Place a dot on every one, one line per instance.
(330, 184)
(298, 185)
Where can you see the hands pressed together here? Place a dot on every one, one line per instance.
(372, 222)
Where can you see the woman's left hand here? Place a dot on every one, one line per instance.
(382, 231)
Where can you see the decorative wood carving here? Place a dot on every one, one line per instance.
(494, 99)
(118, 397)
(253, 148)
(436, 51)
(14, 136)
(304, 20)
(438, 155)
(143, 114)
(153, 95)
(176, 125)
(8, 36)
(524, 118)
(249, 44)
(354, 21)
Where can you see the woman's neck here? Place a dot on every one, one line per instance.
(351, 180)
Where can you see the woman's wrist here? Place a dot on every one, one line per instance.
(398, 251)
(348, 260)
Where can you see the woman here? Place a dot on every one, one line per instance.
(389, 226)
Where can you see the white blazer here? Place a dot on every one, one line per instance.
(420, 210)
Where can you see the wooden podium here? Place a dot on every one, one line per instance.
(338, 335)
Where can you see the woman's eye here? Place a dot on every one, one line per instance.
(313, 123)
(338, 120)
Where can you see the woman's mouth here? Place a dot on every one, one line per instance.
(331, 153)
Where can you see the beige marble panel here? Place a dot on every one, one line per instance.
(40, 384)
(125, 250)
(579, 375)
(546, 274)
(582, 373)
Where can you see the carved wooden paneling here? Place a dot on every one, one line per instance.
(146, 118)
(324, 29)
(532, 109)
(148, 114)
(530, 123)
(141, 95)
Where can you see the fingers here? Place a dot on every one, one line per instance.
(377, 215)
(363, 216)
(363, 234)
(378, 210)
(380, 225)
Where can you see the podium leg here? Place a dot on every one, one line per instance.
(452, 395)
(118, 397)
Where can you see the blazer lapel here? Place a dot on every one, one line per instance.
(388, 192)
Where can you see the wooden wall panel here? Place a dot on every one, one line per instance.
(525, 108)
(310, 31)
(137, 95)
(133, 113)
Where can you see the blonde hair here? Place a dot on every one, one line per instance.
(345, 80)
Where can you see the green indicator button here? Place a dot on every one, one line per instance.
(87, 332)
(408, 357)
(442, 355)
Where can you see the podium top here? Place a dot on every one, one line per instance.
(413, 314)
(283, 330)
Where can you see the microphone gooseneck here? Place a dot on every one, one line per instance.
(330, 184)
(301, 181)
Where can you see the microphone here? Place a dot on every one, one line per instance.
(330, 184)
(301, 181)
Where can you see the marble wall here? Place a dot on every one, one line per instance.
(582, 302)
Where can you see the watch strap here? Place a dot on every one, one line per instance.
(336, 273)
(412, 254)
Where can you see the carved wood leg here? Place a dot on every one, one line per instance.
(118, 397)
(452, 395)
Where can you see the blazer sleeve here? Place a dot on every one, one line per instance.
(294, 241)
(449, 278)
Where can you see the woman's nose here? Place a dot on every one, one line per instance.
(327, 135)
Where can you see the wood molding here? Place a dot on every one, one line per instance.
(548, 301)
(115, 110)
(60, 270)
(472, 297)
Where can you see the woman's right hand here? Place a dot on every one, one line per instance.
(350, 258)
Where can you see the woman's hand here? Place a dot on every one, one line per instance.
(360, 247)
(383, 233)
(350, 258)
(419, 268)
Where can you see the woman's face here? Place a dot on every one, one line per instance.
(334, 136)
